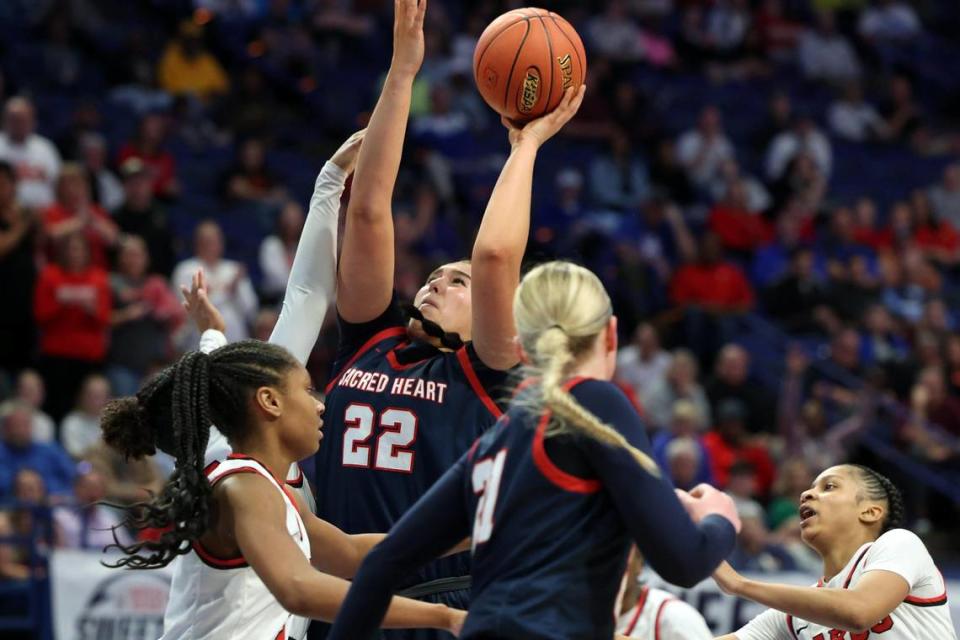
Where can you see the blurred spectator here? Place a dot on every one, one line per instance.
(555, 223)
(728, 23)
(34, 158)
(145, 314)
(795, 476)
(614, 34)
(643, 361)
(72, 310)
(779, 34)
(680, 383)
(277, 251)
(772, 261)
(127, 480)
(802, 188)
(803, 138)
(147, 146)
(702, 150)
(80, 429)
(85, 120)
(19, 236)
(142, 216)
(904, 117)
(936, 238)
(253, 110)
(756, 551)
(930, 403)
(85, 524)
(19, 451)
(854, 119)
(31, 391)
(228, 286)
(187, 68)
(880, 344)
(839, 375)
(755, 196)
(106, 188)
(779, 117)
(798, 299)
(618, 176)
(669, 176)
(249, 179)
(851, 288)
(827, 55)
(264, 324)
(889, 21)
(76, 213)
(13, 566)
(30, 496)
(739, 228)
(731, 380)
(729, 443)
(945, 196)
(679, 450)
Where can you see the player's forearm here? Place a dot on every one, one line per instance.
(404, 613)
(379, 159)
(837, 608)
(503, 232)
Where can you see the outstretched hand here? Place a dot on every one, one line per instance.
(727, 578)
(346, 156)
(703, 500)
(203, 312)
(545, 127)
(408, 35)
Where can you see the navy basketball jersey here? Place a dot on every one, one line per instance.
(398, 415)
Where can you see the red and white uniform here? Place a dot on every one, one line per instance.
(923, 615)
(213, 598)
(659, 615)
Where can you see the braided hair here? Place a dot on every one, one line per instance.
(173, 413)
(877, 486)
(449, 340)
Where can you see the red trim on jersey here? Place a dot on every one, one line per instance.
(282, 634)
(218, 563)
(790, 626)
(526, 382)
(298, 481)
(375, 339)
(551, 472)
(395, 363)
(474, 381)
(846, 583)
(641, 602)
(210, 467)
(930, 602)
(656, 624)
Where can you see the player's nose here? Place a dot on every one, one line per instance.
(320, 408)
(806, 496)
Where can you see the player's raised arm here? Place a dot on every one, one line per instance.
(312, 285)
(367, 257)
(502, 238)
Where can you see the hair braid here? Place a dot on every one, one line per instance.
(449, 340)
(173, 412)
(879, 487)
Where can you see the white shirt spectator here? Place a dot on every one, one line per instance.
(43, 428)
(275, 265)
(640, 373)
(615, 34)
(703, 156)
(855, 121)
(110, 190)
(892, 21)
(37, 163)
(229, 289)
(828, 57)
(787, 145)
(78, 432)
(945, 197)
(758, 198)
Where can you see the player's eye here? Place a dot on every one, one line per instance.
(460, 281)
(829, 486)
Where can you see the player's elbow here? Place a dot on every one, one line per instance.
(293, 598)
(486, 253)
(857, 619)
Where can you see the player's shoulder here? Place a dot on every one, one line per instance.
(603, 397)
(903, 541)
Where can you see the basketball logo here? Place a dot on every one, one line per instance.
(530, 91)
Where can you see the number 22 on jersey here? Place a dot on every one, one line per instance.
(398, 430)
(486, 484)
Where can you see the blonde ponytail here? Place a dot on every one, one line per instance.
(560, 309)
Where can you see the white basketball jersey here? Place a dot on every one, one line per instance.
(923, 615)
(213, 598)
(659, 615)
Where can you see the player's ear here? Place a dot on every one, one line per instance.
(871, 512)
(518, 349)
(269, 401)
(611, 337)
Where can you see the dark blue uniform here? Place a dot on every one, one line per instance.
(552, 521)
(398, 416)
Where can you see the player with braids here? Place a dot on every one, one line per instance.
(409, 393)
(247, 541)
(879, 579)
(553, 494)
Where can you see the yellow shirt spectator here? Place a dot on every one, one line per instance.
(187, 68)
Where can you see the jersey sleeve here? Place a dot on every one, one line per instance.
(769, 625)
(354, 335)
(313, 276)
(680, 621)
(491, 383)
(681, 551)
(901, 552)
(437, 522)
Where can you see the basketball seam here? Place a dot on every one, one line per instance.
(506, 92)
(572, 44)
(546, 34)
(476, 71)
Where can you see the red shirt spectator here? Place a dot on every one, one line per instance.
(72, 306)
(739, 229)
(728, 444)
(75, 212)
(147, 148)
(711, 281)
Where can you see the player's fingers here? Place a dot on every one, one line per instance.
(186, 295)
(421, 12)
(202, 278)
(701, 490)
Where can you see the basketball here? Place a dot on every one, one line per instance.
(525, 60)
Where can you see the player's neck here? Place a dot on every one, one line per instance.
(268, 453)
(839, 553)
(594, 365)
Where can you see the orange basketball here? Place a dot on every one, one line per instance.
(524, 61)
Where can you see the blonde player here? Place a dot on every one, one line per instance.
(880, 581)
(655, 614)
